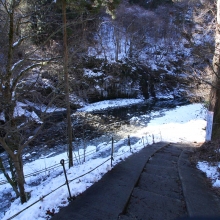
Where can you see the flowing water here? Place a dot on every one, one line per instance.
(100, 126)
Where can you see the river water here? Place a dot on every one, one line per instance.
(100, 126)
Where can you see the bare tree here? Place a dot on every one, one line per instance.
(66, 79)
(18, 59)
(80, 6)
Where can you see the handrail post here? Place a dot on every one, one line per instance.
(67, 183)
(112, 152)
(129, 142)
(147, 139)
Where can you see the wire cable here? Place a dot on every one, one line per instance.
(44, 196)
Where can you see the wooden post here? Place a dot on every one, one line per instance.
(129, 142)
(112, 152)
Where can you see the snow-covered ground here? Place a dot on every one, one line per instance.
(211, 171)
(185, 123)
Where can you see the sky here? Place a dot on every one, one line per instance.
(181, 124)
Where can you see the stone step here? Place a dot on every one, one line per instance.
(165, 186)
(150, 205)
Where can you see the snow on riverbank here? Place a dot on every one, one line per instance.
(184, 123)
(110, 104)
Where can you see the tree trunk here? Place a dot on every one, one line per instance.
(66, 81)
(9, 179)
(214, 105)
(20, 178)
(117, 45)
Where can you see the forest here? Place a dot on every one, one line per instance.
(58, 56)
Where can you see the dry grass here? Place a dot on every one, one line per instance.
(209, 151)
